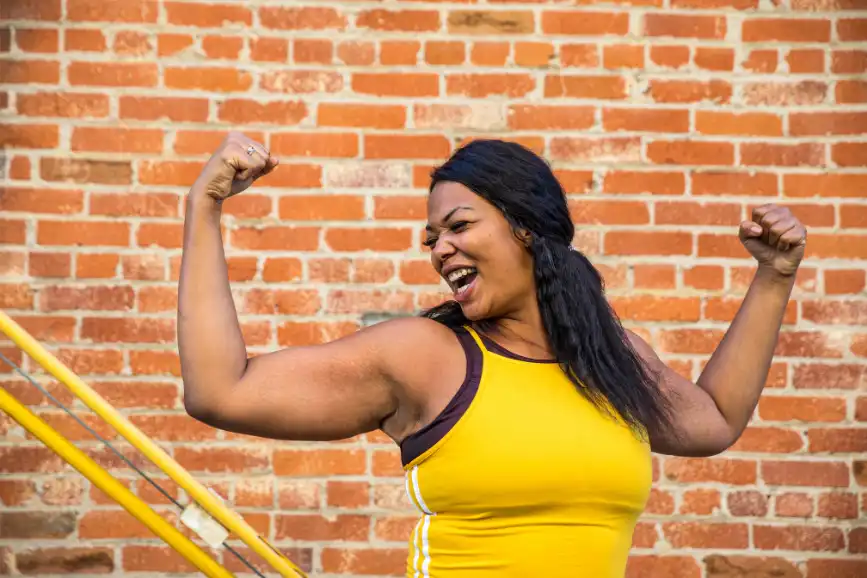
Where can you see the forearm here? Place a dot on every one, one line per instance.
(736, 372)
(212, 349)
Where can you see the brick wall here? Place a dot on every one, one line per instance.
(665, 119)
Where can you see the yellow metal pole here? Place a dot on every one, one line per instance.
(229, 519)
(108, 484)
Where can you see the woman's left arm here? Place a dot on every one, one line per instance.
(711, 414)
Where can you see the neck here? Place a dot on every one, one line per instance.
(522, 332)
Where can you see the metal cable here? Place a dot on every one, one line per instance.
(116, 451)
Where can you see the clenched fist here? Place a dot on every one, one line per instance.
(233, 167)
(775, 238)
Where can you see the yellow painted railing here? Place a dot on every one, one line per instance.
(108, 484)
(230, 520)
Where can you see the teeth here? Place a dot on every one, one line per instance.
(455, 275)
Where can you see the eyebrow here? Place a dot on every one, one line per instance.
(448, 215)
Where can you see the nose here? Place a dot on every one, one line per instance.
(442, 250)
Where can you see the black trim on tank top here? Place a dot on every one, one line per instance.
(421, 441)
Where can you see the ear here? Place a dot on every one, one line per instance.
(523, 235)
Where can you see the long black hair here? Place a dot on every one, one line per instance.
(583, 330)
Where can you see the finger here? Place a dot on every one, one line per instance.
(759, 212)
(270, 165)
(795, 236)
(775, 235)
(749, 229)
(771, 223)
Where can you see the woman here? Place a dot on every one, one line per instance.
(524, 412)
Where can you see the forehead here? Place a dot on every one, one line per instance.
(447, 196)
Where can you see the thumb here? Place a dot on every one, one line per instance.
(749, 230)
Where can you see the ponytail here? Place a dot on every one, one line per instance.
(588, 340)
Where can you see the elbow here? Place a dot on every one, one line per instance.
(199, 410)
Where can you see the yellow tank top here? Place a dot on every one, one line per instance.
(530, 480)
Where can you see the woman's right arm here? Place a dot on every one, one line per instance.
(331, 391)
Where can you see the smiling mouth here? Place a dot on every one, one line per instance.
(461, 279)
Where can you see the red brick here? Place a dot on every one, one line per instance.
(715, 58)
(821, 474)
(384, 146)
(356, 52)
(609, 212)
(747, 503)
(313, 527)
(734, 183)
(222, 47)
(706, 535)
(746, 124)
(380, 561)
(634, 182)
(85, 40)
(535, 54)
(585, 23)
(761, 61)
(61, 560)
(645, 120)
(784, 155)
(212, 79)
(302, 18)
(390, 84)
(824, 185)
(798, 538)
(851, 91)
(647, 243)
(540, 117)
(682, 91)
(312, 50)
(263, 49)
(669, 56)
(399, 20)
(641, 566)
(786, 30)
(176, 109)
(597, 87)
(849, 154)
(113, 74)
(94, 10)
(849, 61)
(487, 84)
(825, 123)
(63, 104)
(34, 10)
(119, 140)
(57, 201)
(784, 93)
(837, 568)
(678, 213)
(690, 152)
(331, 462)
(361, 115)
(579, 55)
(852, 29)
(611, 150)
(489, 53)
(652, 308)
(844, 281)
(399, 52)
(704, 277)
(321, 208)
(30, 71)
(207, 15)
(623, 56)
(727, 471)
(29, 136)
(685, 26)
(37, 40)
(22, 525)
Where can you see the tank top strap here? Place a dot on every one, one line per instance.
(478, 339)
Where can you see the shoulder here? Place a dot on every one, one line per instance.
(424, 361)
(407, 344)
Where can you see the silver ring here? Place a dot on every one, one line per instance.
(250, 150)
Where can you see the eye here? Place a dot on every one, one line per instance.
(459, 226)
(430, 242)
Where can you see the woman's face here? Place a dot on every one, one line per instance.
(474, 249)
